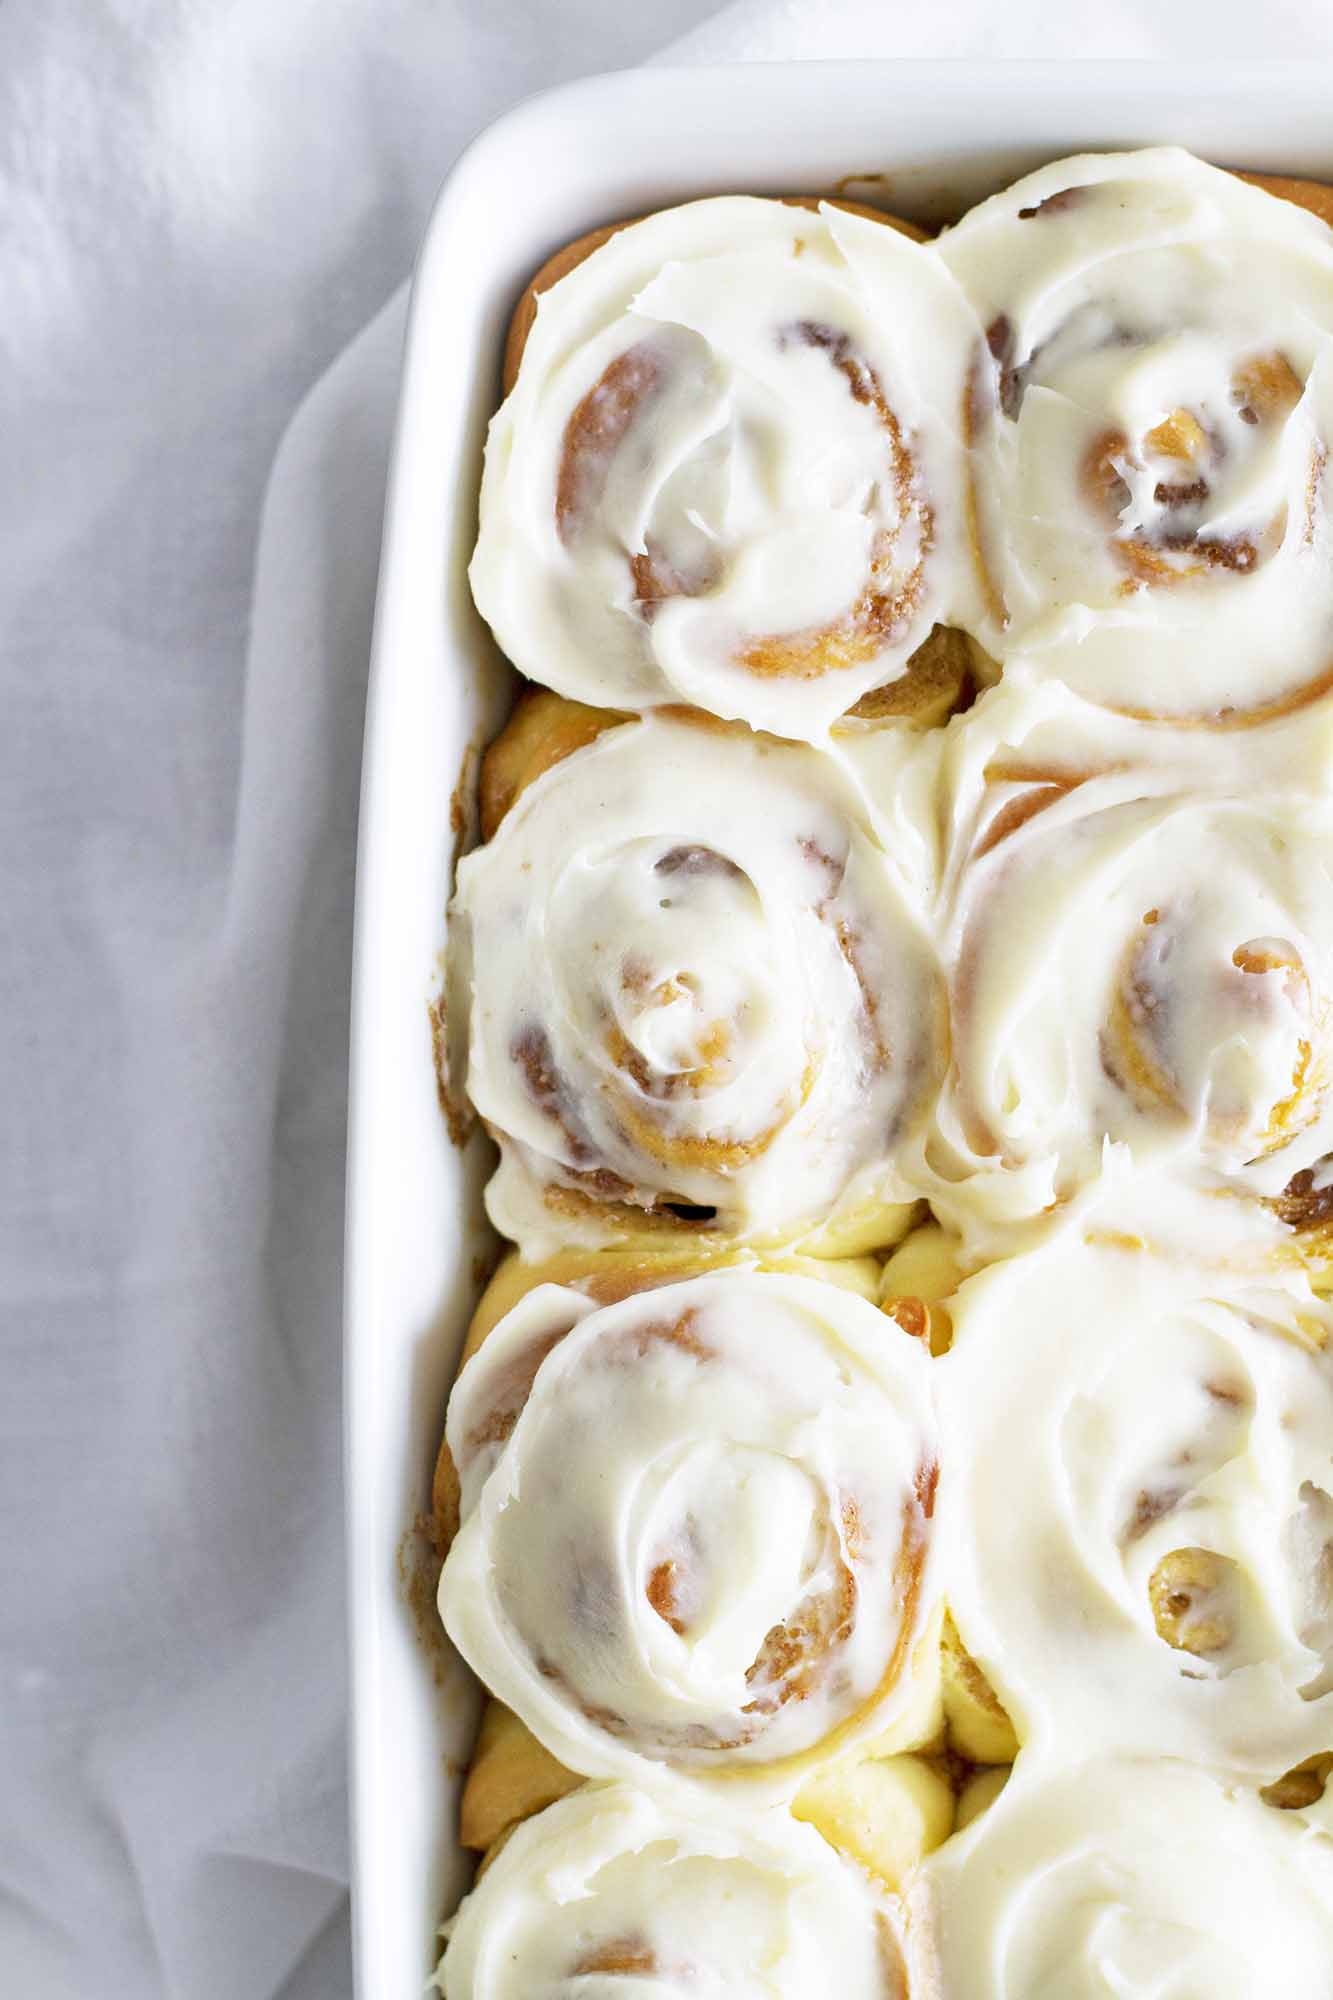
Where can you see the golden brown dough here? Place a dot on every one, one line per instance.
(941, 679)
(544, 729)
(917, 1281)
(977, 1722)
(979, 1792)
(1314, 195)
(887, 1813)
(510, 1778)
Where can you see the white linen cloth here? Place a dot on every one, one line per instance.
(200, 202)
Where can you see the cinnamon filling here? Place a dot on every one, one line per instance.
(881, 613)
(630, 1956)
(598, 428)
(1264, 391)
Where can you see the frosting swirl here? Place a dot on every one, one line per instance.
(695, 1523)
(614, 1892)
(1135, 954)
(1144, 1492)
(1150, 416)
(1127, 1877)
(724, 474)
(697, 983)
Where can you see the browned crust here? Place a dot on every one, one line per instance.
(1315, 196)
(941, 679)
(971, 1704)
(558, 266)
(571, 255)
(543, 730)
(511, 1777)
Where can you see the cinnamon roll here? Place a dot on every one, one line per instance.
(727, 472)
(1149, 414)
(616, 1890)
(701, 997)
(1136, 956)
(1122, 1877)
(1142, 1453)
(696, 1526)
(511, 1775)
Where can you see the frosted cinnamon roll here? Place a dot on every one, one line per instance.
(728, 471)
(1126, 1877)
(1133, 957)
(1142, 1452)
(695, 1524)
(701, 996)
(1149, 417)
(614, 1891)
(511, 1775)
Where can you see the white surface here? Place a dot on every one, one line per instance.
(200, 200)
(613, 145)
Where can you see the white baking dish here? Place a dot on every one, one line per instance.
(926, 139)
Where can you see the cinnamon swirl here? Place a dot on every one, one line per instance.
(701, 997)
(1140, 956)
(1142, 1452)
(696, 1525)
(1149, 414)
(727, 471)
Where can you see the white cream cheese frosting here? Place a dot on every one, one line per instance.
(1064, 967)
(613, 1891)
(1138, 944)
(728, 473)
(696, 1524)
(696, 978)
(1141, 1503)
(1150, 418)
(1124, 1877)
